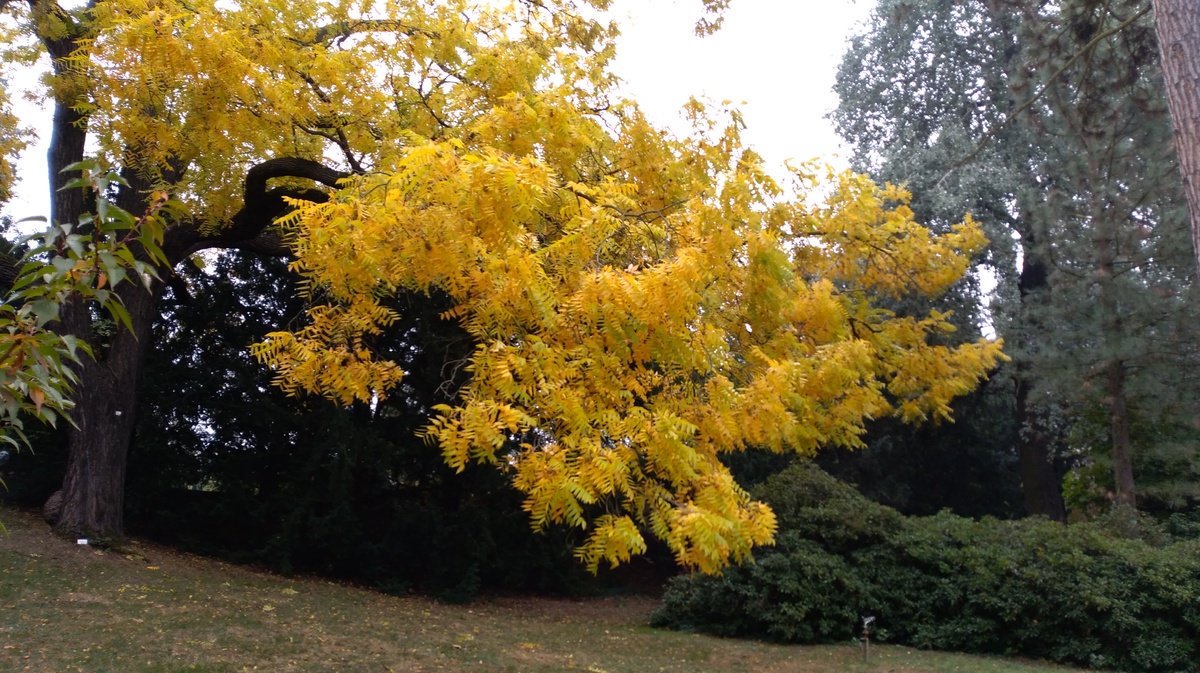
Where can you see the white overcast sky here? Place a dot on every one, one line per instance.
(774, 59)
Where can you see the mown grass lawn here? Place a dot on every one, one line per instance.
(65, 607)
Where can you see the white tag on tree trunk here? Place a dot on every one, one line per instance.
(82, 540)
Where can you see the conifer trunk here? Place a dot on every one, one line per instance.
(1177, 24)
(1115, 393)
(1039, 480)
(1122, 448)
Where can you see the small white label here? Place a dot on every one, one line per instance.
(82, 540)
(117, 413)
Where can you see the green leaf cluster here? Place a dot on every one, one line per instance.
(79, 262)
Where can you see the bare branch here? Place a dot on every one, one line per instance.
(340, 138)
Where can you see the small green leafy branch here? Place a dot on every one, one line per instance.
(83, 262)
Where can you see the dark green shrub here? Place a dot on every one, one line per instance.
(1074, 594)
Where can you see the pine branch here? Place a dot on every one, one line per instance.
(1086, 49)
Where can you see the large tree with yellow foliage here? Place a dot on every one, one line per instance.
(640, 303)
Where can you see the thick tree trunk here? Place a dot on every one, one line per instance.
(106, 394)
(95, 466)
(1122, 448)
(1107, 245)
(106, 399)
(1177, 23)
(1039, 480)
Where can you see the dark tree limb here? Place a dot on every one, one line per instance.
(249, 228)
(179, 288)
(268, 244)
(287, 167)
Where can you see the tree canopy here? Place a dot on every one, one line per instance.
(639, 303)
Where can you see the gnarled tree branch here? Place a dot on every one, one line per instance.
(249, 228)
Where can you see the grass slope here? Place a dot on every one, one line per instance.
(65, 607)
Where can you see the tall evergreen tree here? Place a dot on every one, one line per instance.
(917, 90)
(1121, 310)
(1048, 122)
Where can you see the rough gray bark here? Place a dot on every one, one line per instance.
(1177, 24)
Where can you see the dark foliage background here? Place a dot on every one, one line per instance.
(224, 463)
(968, 466)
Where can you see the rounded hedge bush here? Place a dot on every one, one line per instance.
(1074, 594)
